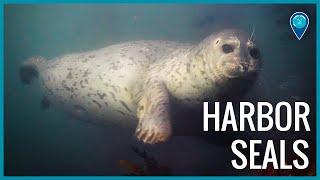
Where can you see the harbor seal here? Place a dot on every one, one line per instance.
(139, 80)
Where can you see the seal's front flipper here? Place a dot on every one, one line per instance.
(30, 69)
(153, 112)
(45, 103)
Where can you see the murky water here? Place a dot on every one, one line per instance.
(39, 142)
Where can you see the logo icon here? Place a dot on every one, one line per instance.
(299, 23)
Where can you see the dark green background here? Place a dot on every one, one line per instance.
(41, 142)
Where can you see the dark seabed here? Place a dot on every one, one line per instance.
(48, 142)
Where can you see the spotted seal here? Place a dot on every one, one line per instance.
(138, 80)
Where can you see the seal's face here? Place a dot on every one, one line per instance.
(235, 55)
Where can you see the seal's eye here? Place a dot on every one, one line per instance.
(227, 48)
(254, 53)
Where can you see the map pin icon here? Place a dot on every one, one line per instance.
(299, 23)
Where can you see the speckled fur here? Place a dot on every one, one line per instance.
(135, 80)
(104, 84)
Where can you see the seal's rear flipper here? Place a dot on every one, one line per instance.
(30, 69)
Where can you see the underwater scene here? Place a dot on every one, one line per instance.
(118, 89)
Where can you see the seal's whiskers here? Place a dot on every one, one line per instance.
(252, 33)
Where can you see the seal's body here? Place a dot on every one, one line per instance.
(103, 84)
(138, 80)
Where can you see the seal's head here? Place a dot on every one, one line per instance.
(232, 61)
(231, 54)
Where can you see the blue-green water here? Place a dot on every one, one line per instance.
(39, 142)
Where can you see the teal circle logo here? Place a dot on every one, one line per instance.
(299, 21)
